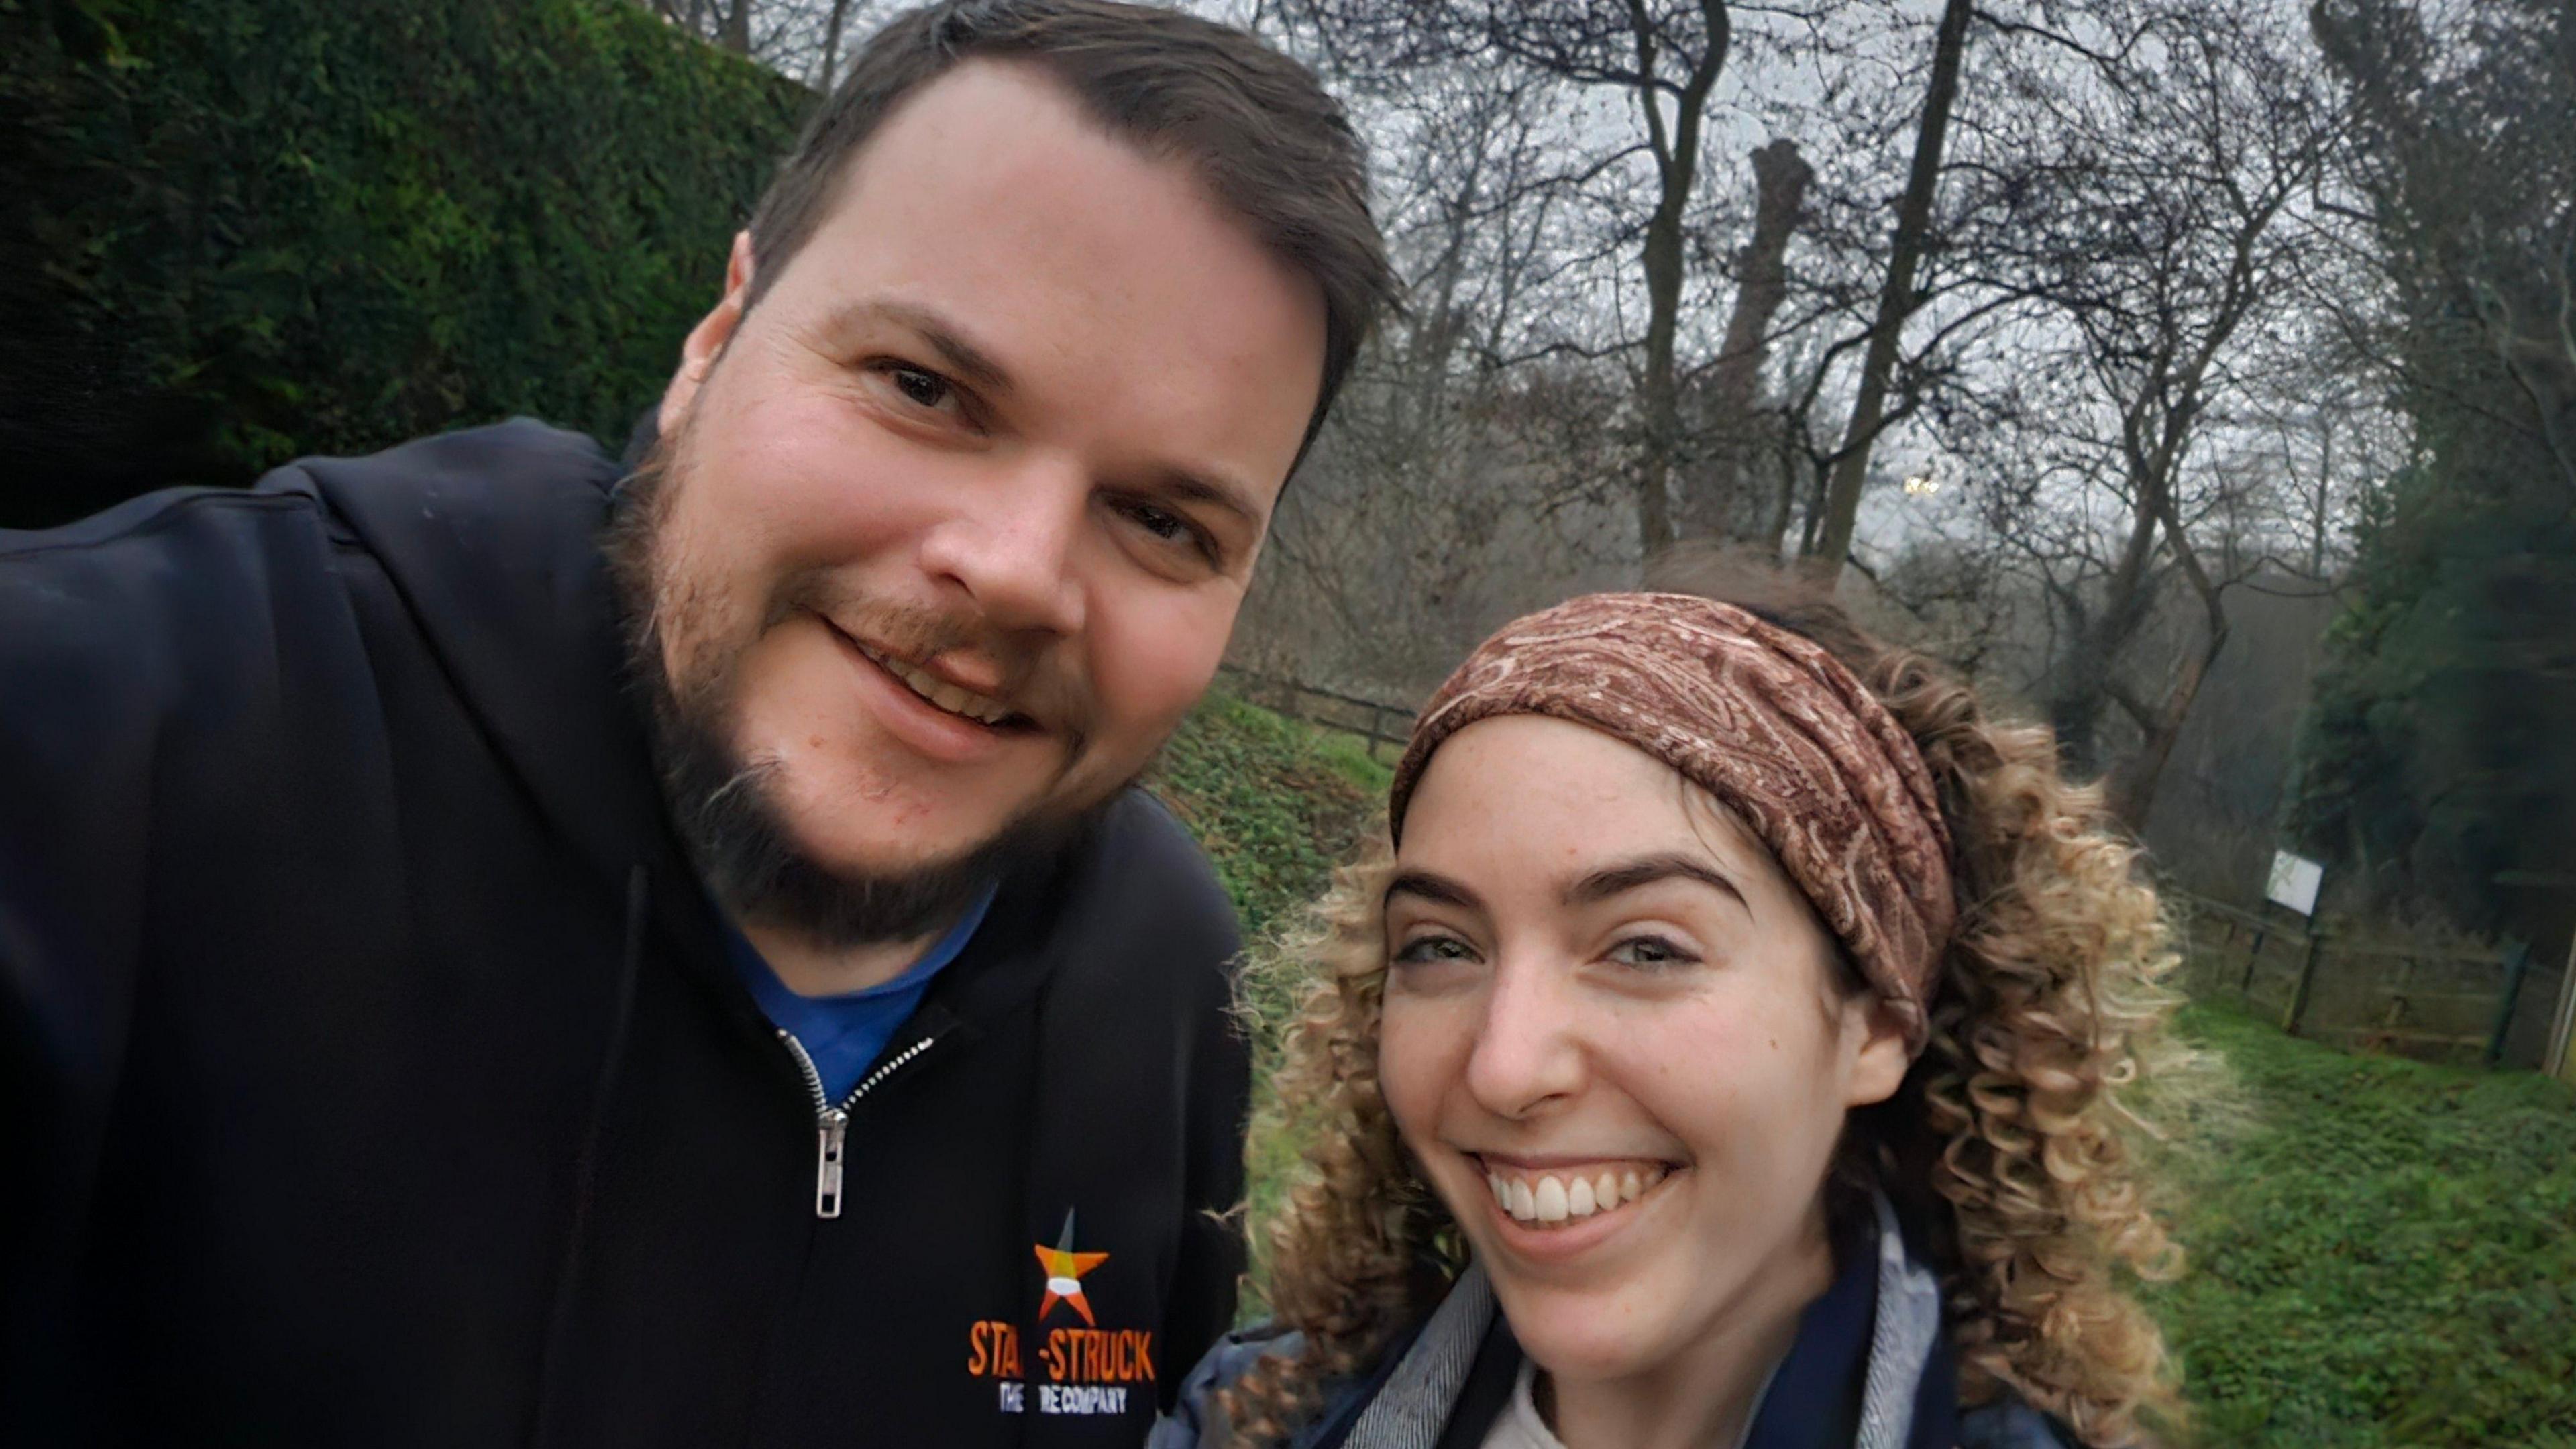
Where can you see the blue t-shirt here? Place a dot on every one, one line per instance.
(845, 1033)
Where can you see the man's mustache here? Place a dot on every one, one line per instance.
(1035, 680)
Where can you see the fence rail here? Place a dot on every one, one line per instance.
(1374, 720)
(2441, 998)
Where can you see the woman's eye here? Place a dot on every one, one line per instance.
(1423, 949)
(1650, 952)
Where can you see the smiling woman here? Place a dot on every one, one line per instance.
(1739, 1045)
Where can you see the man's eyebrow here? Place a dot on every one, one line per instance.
(960, 354)
(1215, 490)
(1436, 888)
(976, 366)
(1609, 881)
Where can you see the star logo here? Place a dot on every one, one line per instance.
(1064, 1269)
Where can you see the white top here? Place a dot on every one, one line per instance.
(1520, 1427)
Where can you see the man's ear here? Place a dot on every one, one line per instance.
(1878, 1067)
(706, 341)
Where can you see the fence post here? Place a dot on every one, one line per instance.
(2299, 995)
(2559, 1061)
(2517, 963)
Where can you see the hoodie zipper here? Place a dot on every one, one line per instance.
(832, 1124)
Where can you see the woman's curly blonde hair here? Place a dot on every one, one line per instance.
(2016, 1137)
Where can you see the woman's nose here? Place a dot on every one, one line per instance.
(1527, 1052)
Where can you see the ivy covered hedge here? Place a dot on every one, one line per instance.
(258, 228)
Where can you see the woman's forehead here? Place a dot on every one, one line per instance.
(1542, 796)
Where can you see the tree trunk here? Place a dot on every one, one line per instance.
(1896, 300)
(737, 28)
(1662, 406)
(2075, 719)
(2132, 790)
(2325, 487)
(832, 43)
(1677, 169)
(1786, 455)
(1719, 497)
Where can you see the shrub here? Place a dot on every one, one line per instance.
(261, 228)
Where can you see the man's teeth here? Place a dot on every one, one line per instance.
(1562, 1197)
(943, 694)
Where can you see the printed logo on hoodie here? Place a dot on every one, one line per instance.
(1087, 1370)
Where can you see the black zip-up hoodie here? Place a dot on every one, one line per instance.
(371, 1069)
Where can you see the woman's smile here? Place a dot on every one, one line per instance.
(1557, 1209)
(1559, 1193)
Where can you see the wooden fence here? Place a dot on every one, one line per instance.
(2443, 1000)
(1383, 725)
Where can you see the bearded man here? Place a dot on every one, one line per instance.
(498, 947)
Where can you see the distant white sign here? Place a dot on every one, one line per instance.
(2294, 882)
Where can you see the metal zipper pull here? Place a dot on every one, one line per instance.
(830, 1133)
(832, 1124)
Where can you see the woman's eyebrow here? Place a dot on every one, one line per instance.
(1435, 888)
(1612, 880)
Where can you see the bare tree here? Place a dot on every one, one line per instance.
(1663, 59)
(2166, 250)
(1459, 479)
(1723, 497)
(806, 39)
(1897, 300)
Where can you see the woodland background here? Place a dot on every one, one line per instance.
(2198, 375)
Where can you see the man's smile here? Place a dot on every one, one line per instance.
(956, 699)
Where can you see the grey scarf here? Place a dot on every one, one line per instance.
(1415, 1404)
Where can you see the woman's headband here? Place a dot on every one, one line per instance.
(1762, 718)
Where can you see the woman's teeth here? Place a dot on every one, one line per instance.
(1552, 1198)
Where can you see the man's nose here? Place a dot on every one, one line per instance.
(1012, 546)
(1528, 1054)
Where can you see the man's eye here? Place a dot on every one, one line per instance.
(1165, 526)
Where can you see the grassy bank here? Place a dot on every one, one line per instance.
(2385, 1255)
(1275, 803)
(2387, 1258)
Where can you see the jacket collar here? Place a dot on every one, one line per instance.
(492, 538)
(1412, 1408)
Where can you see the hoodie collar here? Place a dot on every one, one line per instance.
(493, 538)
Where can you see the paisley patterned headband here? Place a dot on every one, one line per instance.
(1762, 718)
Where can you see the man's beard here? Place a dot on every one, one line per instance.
(726, 809)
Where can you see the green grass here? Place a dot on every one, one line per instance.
(2387, 1257)
(2383, 1252)
(1275, 803)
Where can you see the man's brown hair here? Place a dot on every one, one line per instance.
(1269, 143)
